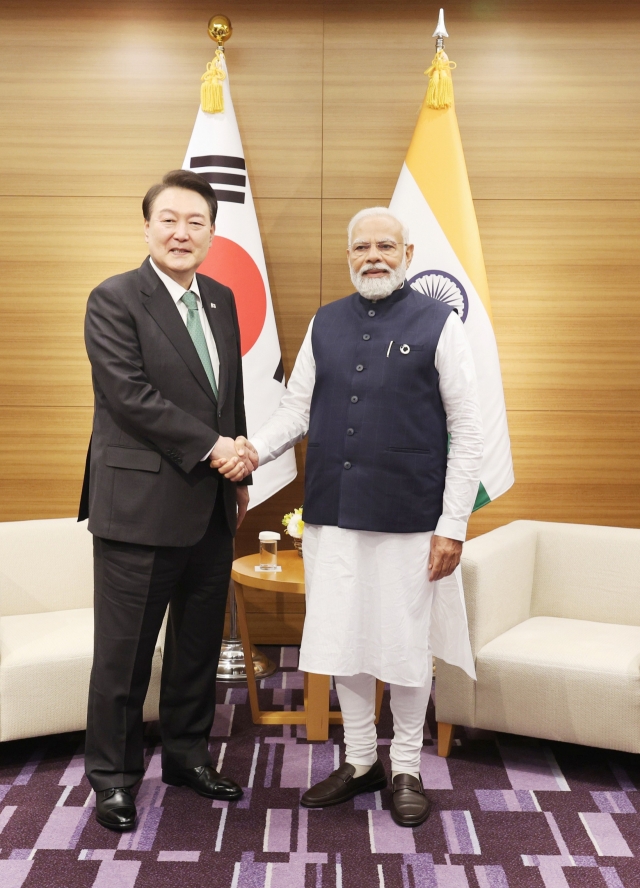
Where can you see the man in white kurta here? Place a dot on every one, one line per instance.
(378, 604)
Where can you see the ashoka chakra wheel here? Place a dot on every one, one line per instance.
(444, 287)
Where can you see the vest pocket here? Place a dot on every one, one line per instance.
(406, 450)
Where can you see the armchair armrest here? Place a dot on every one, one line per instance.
(497, 574)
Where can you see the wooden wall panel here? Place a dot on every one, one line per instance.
(41, 449)
(101, 99)
(536, 119)
(98, 101)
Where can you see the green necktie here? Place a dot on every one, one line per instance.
(194, 326)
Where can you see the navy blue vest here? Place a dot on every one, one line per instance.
(377, 446)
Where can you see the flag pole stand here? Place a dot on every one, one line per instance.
(231, 665)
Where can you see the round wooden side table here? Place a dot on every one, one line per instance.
(316, 715)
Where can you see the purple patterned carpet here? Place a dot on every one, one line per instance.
(508, 812)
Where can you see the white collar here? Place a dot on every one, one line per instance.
(176, 290)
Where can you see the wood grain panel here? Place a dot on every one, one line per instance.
(614, 505)
(55, 251)
(292, 240)
(569, 336)
(558, 447)
(586, 233)
(102, 100)
(42, 456)
(533, 126)
(285, 628)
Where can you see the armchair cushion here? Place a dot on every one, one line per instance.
(45, 664)
(563, 679)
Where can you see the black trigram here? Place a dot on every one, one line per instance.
(199, 164)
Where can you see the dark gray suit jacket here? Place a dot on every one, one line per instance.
(155, 412)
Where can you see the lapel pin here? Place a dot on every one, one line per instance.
(405, 349)
(213, 305)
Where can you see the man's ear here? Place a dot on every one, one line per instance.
(409, 254)
(145, 228)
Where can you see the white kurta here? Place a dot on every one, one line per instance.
(370, 605)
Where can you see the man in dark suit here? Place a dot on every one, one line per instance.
(164, 347)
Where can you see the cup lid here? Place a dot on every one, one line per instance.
(268, 536)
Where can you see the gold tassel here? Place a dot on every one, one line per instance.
(440, 91)
(211, 97)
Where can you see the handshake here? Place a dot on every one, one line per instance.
(234, 459)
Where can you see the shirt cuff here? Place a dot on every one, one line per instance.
(262, 450)
(208, 455)
(452, 528)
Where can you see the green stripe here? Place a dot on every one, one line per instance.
(482, 498)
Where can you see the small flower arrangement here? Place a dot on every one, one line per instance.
(294, 526)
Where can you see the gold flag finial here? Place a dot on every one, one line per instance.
(211, 96)
(219, 29)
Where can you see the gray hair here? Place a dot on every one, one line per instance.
(377, 211)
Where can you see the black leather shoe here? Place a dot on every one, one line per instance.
(341, 785)
(409, 804)
(204, 780)
(116, 809)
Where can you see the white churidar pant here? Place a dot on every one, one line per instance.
(356, 694)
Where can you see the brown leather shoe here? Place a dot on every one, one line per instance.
(409, 804)
(341, 785)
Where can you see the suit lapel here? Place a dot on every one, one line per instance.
(212, 316)
(158, 302)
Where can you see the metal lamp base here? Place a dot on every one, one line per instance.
(231, 666)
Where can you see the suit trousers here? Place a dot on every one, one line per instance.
(134, 584)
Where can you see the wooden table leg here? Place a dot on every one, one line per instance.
(317, 706)
(248, 658)
(445, 738)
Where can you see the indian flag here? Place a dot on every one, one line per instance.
(433, 199)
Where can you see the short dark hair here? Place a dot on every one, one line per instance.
(181, 179)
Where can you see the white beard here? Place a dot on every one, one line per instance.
(378, 288)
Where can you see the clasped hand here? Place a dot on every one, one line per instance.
(234, 459)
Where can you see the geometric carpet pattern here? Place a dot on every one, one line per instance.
(509, 812)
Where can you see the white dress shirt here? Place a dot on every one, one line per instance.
(177, 291)
(458, 390)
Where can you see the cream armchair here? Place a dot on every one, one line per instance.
(46, 629)
(554, 620)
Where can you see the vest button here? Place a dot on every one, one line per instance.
(366, 337)
(354, 399)
(347, 465)
(359, 368)
(349, 431)
(371, 313)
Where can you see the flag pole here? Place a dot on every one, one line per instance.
(231, 665)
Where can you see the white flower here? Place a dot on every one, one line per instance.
(295, 526)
